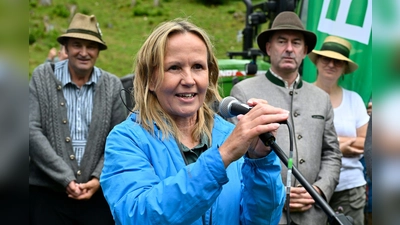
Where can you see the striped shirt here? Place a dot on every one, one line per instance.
(79, 101)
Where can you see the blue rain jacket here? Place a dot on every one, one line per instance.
(145, 181)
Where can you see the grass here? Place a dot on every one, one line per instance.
(125, 27)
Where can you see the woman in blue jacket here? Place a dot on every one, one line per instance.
(174, 160)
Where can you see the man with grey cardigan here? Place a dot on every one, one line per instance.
(316, 148)
(73, 106)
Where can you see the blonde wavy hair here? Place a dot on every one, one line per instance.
(149, 59)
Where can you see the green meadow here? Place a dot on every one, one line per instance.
(126, 26)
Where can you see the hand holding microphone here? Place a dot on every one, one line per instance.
(230, 107)
(254, 119)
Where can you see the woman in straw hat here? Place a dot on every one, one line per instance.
(351, 122)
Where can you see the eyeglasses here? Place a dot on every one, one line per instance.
(336, 62)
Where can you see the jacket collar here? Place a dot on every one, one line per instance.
(280, 82)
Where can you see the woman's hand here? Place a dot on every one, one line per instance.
(262, 118)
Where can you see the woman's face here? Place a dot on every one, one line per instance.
(330, 68)
(185, 83)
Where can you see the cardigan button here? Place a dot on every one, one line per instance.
(301, 161)
(62, 103)
(78, 172)
(296, 114)
(67, 139)
(72, 157)
(59, 87)
(64, 121)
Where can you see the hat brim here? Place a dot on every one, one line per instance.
(352, 66)
(309, 37)
(62, 38)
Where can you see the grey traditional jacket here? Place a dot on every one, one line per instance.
(52, 161)
(316, 151)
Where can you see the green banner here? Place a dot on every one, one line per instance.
(351, 20)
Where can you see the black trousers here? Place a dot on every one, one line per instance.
(14, 205)
(48, 207)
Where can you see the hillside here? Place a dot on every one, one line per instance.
(125, 27)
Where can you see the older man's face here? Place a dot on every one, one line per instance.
(286, 49)
(82, 55)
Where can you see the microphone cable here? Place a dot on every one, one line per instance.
(122, 99)
(289, 173)
(269, 140)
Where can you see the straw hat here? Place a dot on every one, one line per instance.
(84, 27)
(335, 48)
(287, 20)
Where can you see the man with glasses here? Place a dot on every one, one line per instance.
(316, 151)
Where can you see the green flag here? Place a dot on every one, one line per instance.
(351, 20)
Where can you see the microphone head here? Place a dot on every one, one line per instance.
(225, 106)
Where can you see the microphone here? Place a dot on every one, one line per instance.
(230, 107)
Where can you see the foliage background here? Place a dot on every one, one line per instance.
(125, 27)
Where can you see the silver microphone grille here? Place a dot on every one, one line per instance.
(225, 105)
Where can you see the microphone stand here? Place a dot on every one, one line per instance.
(334, 219)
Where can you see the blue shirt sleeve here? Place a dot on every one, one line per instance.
(263, 194)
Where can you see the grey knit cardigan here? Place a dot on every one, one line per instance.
(52, 163)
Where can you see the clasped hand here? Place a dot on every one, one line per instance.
(262, 118)
(83, 191)
(300, 199)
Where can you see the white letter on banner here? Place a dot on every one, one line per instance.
(360, 33)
